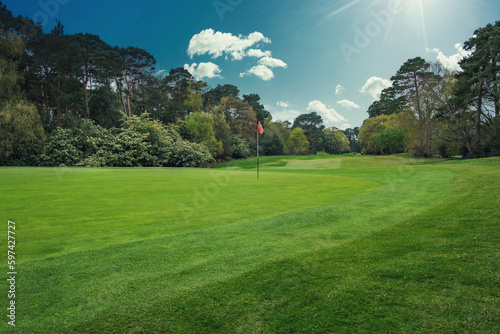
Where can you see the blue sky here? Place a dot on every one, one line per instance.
(332, 57)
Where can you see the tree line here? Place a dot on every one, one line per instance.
(69, 100)
(74, 100)
(430, 111)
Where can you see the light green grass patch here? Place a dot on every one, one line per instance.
(314, 164)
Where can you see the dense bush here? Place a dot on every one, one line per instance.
(239, 148)
(139, 141)
(392, 141)
(63, 149)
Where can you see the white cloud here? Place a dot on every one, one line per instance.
(345, 126)
(258, 53)
(203, 70)
(329, 114)
(260, 71)
(160, 73)
(339, 89)
(451, 63)
(217, 44)
(283, 104)
(348, 104)
(285, 115)
(374, 86)
(272, 62)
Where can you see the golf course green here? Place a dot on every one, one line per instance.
(317, 244)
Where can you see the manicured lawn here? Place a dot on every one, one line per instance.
(316, 245)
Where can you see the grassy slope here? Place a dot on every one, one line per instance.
(318, 244)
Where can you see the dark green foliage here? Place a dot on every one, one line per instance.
(176, 85)
(492, 140)
(212, 98)
(104, 108)
(388, 104)
(478, 85)
(392, 141)
(254, 101)
(274, 146)
(12, 51)
(312, 125)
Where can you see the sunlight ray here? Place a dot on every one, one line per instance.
(422, 22)
(341, 9)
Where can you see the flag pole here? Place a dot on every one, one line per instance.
(260, 131)
(257, 155)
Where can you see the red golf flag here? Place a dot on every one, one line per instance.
(260, 129)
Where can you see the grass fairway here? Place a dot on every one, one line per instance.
(324, 244)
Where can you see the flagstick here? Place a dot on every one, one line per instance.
(257, 155)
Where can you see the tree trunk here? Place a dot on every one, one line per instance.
(129, 110)
(85, 92)
(497, 107)
(478, 113)
(417, 96)
(58, 104)
(121, 94)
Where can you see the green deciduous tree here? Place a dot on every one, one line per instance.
(392, 141)
(21, 131)
(297, 143)
(368, 133)
(312, 125)
(222, 130)
(336, 141)
(12, 51)
(200, 129)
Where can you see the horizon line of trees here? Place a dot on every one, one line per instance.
(74, 100)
